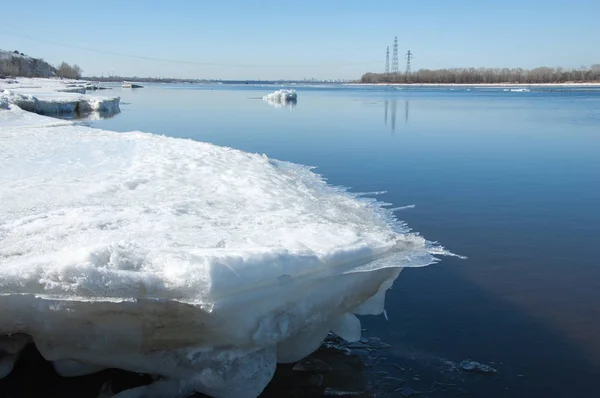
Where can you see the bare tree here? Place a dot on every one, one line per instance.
(67, 71)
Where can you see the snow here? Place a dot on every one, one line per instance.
(201, 264)
(281, 98)
(20, 118)
(56, 97)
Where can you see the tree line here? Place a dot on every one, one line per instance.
(488, 76)
(69, 71)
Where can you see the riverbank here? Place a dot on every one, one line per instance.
(483, 85)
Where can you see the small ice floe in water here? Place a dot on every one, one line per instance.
(517, 90)
(282, 98)
(472, 366)
(334, 392)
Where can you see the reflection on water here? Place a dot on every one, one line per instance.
(84, 116)
(385, 106)
(290, 103)
(99, 115)
(394, 108)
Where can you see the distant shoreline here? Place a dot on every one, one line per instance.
(480, 85)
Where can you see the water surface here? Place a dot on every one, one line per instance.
(509, 179)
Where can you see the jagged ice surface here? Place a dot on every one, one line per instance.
(202, 264)
(56, 97)
(59, 103)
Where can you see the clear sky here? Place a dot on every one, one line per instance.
(235, 39)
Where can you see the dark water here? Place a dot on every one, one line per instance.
(509, 179)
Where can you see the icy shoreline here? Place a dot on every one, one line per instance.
(54, 97)
(200, 264)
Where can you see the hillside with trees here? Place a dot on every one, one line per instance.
(489, 76)
(15, 63)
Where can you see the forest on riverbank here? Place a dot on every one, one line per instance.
(489, 76)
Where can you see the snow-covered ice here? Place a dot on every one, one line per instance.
(60, 103)
(281, 98)
(201, 264)
(517, 90)
(56, 97)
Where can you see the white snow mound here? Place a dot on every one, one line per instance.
(202, 264)
(280, 97)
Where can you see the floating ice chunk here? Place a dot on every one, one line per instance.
(201, 264)
(281, 98)
(79, 90)
(399, 208)
(472, 366)
(517, 90)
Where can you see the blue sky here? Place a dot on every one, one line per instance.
(233, 39)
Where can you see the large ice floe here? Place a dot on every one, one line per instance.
(282, 98)
(202, 265)
(56, 97)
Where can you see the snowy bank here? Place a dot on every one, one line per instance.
(281, 98)
(201, 264)
(56, 97)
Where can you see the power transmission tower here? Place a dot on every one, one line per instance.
(409, 56)
(395, 56)
(387, 60)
